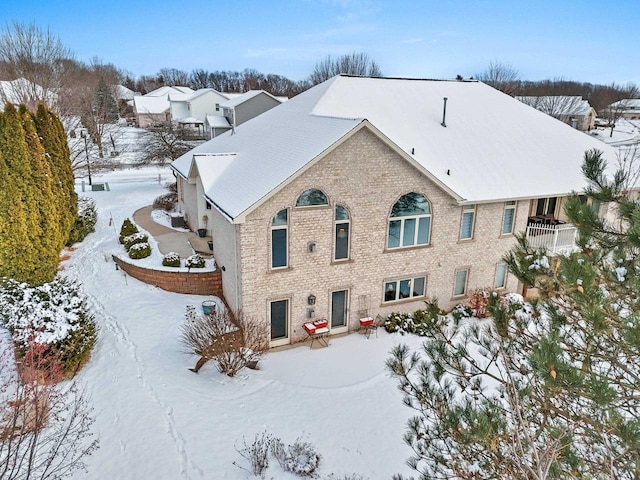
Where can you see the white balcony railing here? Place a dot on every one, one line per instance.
(556, 239)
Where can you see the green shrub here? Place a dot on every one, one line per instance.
(131, 240)
(53, 314)
(194, 261)
(461, 311)
(397, 322)
(171, 259)
(85, 221)
(139, 250)
(128, 228)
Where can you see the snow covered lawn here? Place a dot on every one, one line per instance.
(157, 420)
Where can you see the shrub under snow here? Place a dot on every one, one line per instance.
(53, 314)
(85, 221)
(171, 259)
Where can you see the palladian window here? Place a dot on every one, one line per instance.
(410, 222)
(311, 197)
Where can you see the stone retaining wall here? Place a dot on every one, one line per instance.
(194, 282)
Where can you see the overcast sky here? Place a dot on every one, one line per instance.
(582, 40)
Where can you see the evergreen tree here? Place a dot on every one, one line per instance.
(51, 241)
(549, 389)
(18, 252)
(54, 140)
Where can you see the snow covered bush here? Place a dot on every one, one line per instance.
(166, 202)
(53, 314)
(128, 228)
(131, 240)
(479, 301)
(85, 222)
(171, 259)
(419, 322)
(257, 454)
(194, 261)
(300, 457)
(139, 250)
(232, 341)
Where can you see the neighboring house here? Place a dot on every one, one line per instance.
(22, 90)
(198, 104)
(570, 109)
(215, 125)
(628, 108)
(154, 107)
(248, 105)
(360, 197)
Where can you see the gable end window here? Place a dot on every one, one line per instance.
(312, 197)
(342, 233)
(410, 221)
(279, 241)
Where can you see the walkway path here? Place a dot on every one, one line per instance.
(170, 240)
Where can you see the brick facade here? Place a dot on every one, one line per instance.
(367, 177)
(193, 282)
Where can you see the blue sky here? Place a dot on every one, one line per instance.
(583, 40)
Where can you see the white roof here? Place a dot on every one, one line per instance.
(124, 93)
(166, 90)
(558, 104)
(237, 100)
(217, 121)
(627, 103)
(150, 105)
(492, 148)
(21, 90)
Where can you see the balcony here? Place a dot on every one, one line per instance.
(557, 239)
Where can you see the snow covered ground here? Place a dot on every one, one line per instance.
(157, 420)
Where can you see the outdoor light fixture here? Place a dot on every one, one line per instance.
(311, 299)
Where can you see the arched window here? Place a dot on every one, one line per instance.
(279, 227)
(312, 197)
(410, 222)
(342, 233)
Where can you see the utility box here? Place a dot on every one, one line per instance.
(177, 220)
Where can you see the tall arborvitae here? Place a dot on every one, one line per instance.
(54, 140)
(18, 255)
(51, 241)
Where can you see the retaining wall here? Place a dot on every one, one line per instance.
(193, 282)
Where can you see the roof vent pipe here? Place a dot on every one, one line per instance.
(444, 112)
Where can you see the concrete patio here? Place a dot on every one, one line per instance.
(170, 240)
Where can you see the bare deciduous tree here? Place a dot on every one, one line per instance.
(354, 63)
(164, 144)
(174, 77)
(232, 341)
(44, 425)
(501, 76)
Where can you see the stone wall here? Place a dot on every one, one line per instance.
(194, 282)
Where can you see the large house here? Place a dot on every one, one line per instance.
(154, 107)
(570, 109)
(364, 196)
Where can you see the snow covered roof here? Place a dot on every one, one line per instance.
(626, 104)
(124, 93)
(217, 121)
(558, 104)
(493, 147)
(190, 120)
(150, 105)
(187, 97)
(22, 90)
(166, 90)
(237, 100)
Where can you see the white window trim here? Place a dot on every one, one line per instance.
(271, 230)
(506, 276)
(509, 206)
(337, 222)
(469, 209)
(397, 289)
(466, 282)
